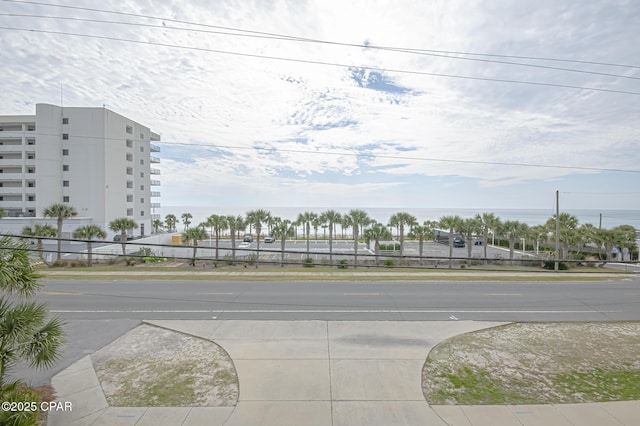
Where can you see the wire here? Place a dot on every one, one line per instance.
(272, 149)
(286, 38)
(333, 64)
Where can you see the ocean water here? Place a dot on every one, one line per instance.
(532, 217)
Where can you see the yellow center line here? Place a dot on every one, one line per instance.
(502, 294)
(362, 294)
(62, 293)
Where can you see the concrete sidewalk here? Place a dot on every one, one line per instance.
(323, 373)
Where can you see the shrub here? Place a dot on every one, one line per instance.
(343, 264)
(388, 263)
(550, 265)
(308, 262)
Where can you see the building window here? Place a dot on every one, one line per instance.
(129, 157)
(129, 143)
(31, 184)
(31, 127)
(129, 212)
(129, 184)
(65, 120)
(142, 213)
(65, 152)
(29, 170)
(142, 136)
(65, 199)
(65, 136)
(141, 187)
(31, 198)
(65, 167)
(141, 200)
(141, 162)
(129, 130)
(1, 198)
(31, 141)
(31, 156)
(142, 149)
(65, 183)
(141, 174)
(129, 170)
(129, 198)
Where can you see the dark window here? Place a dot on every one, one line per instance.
(65, 167)
(65, 183)
(65, 152)
(65, 120)
(65, 199)
(65, 136)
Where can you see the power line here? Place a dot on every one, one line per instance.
(333, 64)
(353, 154)
(295, 39)
(288, 37)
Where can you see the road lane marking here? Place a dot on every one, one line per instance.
(61, 293)
(225, 294)
(361, 294)
(502, 294)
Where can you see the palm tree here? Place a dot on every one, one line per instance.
(29, 335)
(282, 230)
(468, 228)
(39, 232)
(257, 218)
(452, 223)
(356, 219)
(218, 224)
(399, 220)
(186, 220)
(331, 218)
(568, 224)
(60, 212)
(421, 232)
(512, 230)
(88, 233)
(489, 222)
(306, 219)
(376, 233)
(538, 233)
(157, 224)
(122, 225)
(171, 220)
(193, 235)
(235, 224)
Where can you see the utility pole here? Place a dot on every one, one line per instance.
(556, 264)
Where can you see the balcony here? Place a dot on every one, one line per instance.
(156, 217)
(155, 182)
(155, 193)
(155, 160)
(11, 190)
(154, 148)
(155, 171)
(155, 205)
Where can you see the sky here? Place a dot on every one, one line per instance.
(407, 104)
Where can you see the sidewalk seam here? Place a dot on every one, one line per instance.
(330, 377)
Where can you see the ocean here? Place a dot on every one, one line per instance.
(532, 217)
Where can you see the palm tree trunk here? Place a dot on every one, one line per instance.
(89, 254)
(355, 246)
(330, 245)
(59, 238)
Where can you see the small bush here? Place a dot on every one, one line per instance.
(78, 263)
(308, 262)
(388, 263)
(550, 265)
(59, 263)
(229, 259)
(343, 264)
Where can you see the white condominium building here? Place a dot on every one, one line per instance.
(93, 159)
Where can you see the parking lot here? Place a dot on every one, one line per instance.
(296, 251)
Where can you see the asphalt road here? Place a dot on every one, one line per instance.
(346, 300)
(98, 312)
